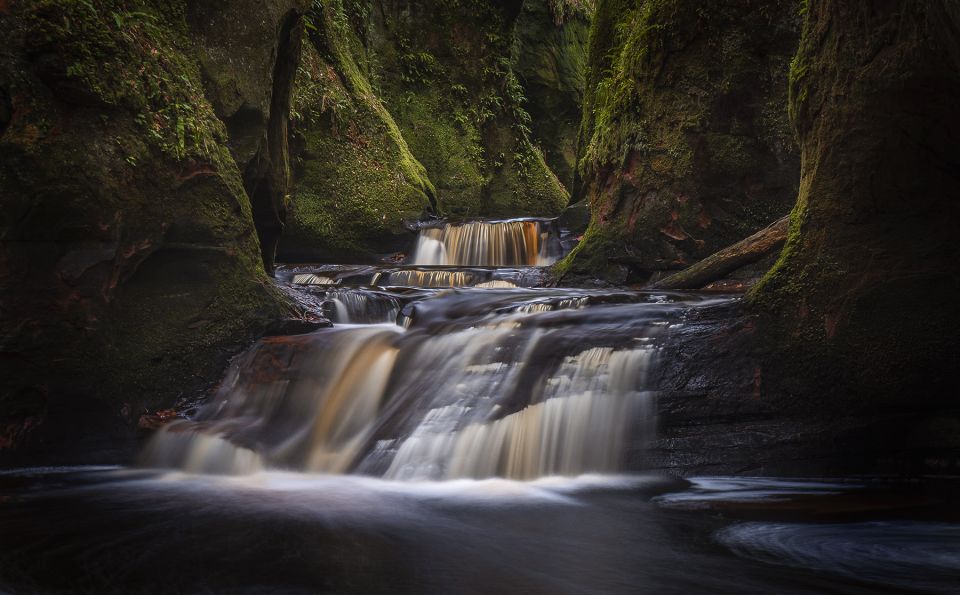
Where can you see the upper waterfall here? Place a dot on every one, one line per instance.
(516, 242)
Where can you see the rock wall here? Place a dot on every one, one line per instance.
(248, 52)
(841, 360)
(864, 294)
(408, 109)
(685, 144)
(130, 266)
(445, 73)
(356, 179)
(550, 60)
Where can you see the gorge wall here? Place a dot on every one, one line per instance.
(143, 151)
(685, 144)
(865, 290)
(356, 180)
(409, 109)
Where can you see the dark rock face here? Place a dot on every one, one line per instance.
(249, 53)
(842, 360)
(130, 267)
(685, 142)
(864, 295)
(724, 409)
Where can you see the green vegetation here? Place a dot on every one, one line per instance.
(550, 58)
(445, 73)
(357, 179)
(134, 55)
(685, 143)
(123, 208)
(423, 112)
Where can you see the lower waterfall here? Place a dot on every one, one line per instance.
(475, 383)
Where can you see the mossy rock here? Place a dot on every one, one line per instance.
(356, 180)
(445, 71)
(133, 268)
(864, 289)
(550, 60)
(685, 143)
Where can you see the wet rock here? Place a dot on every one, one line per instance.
(157, 419)
(297, 326)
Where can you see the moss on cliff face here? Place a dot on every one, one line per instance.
(685, 142)
(550, 60)
(445, 73)
(864, 292)
(356, 179)
(131, 267)
(407, 109)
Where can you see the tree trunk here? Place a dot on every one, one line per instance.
(722, 263)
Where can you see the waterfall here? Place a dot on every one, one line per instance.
(580, 426)
(524, 242)
(516, 392)
(414, 278)
(434, 373)
(305, 402)
(360, 306)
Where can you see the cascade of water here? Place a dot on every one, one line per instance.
(511, 394)
(578, 424)
(359, 306)
(414, 278)
(441, 373)
(305, 402)
(485, 243)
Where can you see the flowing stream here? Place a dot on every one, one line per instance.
(460, 429)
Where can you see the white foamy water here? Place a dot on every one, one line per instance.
(503, 397)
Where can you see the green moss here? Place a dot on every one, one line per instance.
(447, 141)
(124, 211)
(685, 145)
(591, 256)
(445, 73)
(550, 57)
(133, 55)
(357, 180)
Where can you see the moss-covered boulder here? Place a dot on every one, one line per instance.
(445, 72)
(356, 179)
(131, 267)
(864, 295)
(685, 142)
